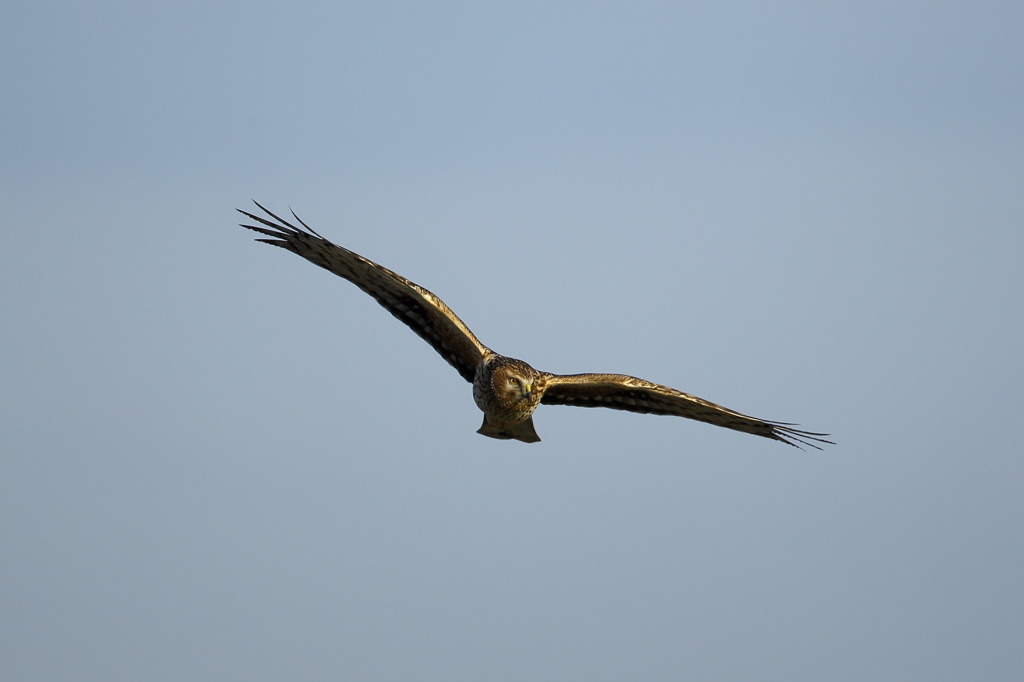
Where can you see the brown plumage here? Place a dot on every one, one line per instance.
(506, 390)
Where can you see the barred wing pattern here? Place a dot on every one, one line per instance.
(422, 311)
(622, 392)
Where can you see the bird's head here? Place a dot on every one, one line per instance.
(516, 385)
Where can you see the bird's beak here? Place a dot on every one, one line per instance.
(527, 390)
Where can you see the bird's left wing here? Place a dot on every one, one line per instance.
(621, 392)
(422, 311)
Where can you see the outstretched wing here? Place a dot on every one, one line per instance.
(621, 392)
(422, 311)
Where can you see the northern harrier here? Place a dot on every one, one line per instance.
(505, 389)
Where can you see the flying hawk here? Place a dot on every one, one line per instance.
(505, 389)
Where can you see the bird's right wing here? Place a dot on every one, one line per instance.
(422, 311)
(622, 392)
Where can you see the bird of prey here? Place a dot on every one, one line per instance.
(505, 389)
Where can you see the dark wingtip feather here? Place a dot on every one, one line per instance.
(281, 229)
(303, 223)
(797, 438)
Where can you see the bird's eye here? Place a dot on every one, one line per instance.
(513, 380)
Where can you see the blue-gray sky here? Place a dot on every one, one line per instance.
(220, 462)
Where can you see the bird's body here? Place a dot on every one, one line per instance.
(505, 389)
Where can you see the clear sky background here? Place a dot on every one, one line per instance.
(220, 462)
